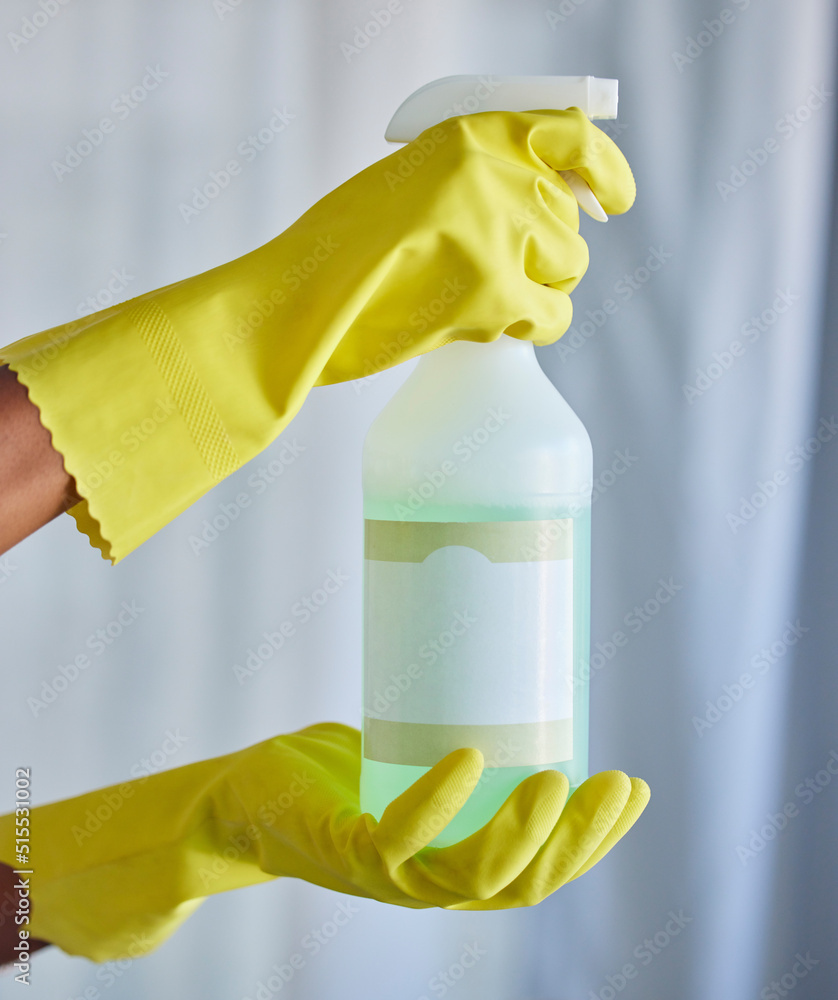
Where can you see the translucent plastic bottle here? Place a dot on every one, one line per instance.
(477, 486)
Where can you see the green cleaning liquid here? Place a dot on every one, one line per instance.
(477, 479)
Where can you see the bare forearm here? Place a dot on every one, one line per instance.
(34, 487)
(9, 930)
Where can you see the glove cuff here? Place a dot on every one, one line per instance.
(153, 402)
(118, 870)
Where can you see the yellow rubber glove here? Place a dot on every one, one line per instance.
(119, 869)
(466, 232)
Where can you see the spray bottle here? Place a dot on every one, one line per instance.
(477, 483)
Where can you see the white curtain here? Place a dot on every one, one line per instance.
(725, 510)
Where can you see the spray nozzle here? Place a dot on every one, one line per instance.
(463, 95)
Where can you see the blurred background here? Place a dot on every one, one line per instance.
(727, 885)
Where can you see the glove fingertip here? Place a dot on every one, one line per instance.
(637, 801)
(640, 791)
(411, 821)
(607, 782)
(457, 769)
(467, 756)
(621, 197)
(536, 804)
(549, 790)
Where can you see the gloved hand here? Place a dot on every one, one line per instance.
(119, 869)
(467, 232)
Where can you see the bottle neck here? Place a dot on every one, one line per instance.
(474, 356)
